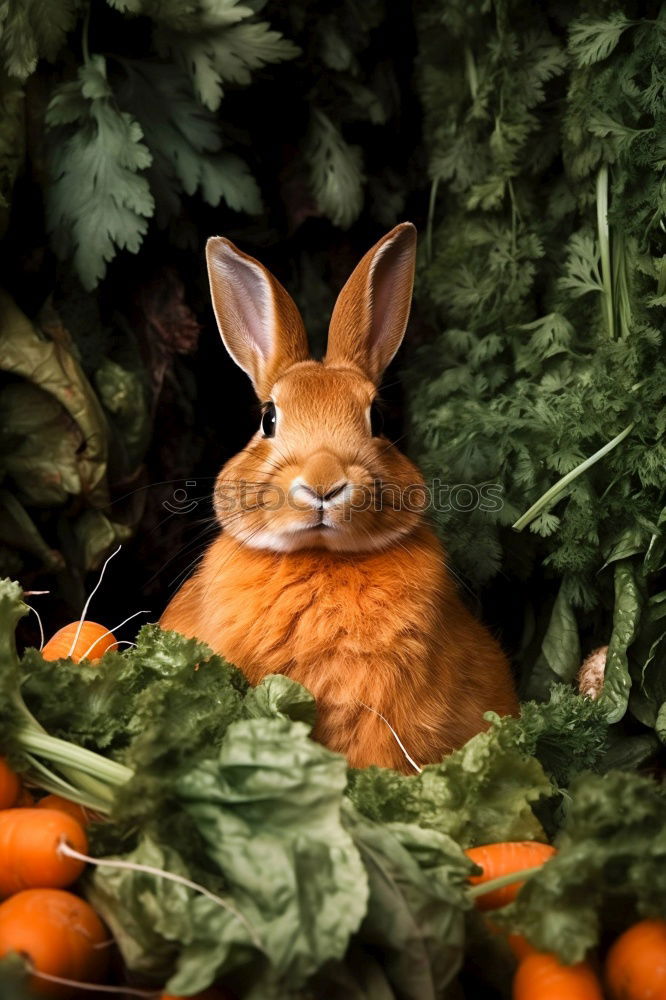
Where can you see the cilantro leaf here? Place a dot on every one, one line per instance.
(98, 202)
(30, 29)
(336, 171)
(591, 40)
(224, 53)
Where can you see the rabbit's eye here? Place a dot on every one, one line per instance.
(268, 421)
(376, 420)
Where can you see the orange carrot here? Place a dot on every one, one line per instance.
(58, 934)
(93, 641)
(60, 804)
(541, 977)
(636, 963)
(10, 785)
(505, 859)
(29, 849)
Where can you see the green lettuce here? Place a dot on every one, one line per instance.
(609, 871)
(485, 791)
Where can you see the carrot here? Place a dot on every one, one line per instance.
(60, 804)
(92, 642)
(10, 785)
(636, 963)
(29, 849)
(541, 977)
(59, 935)
(505, 859)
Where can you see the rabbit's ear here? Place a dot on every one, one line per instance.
(260, 325)
(370, 316)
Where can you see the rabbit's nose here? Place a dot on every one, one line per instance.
(316, 495)
(323, 477)
(325, 493)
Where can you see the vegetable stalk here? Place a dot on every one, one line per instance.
(552, 495)
(89, 778)
(604, 249)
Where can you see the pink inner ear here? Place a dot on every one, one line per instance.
(249, 300)
(391, 292)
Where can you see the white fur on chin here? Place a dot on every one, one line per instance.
(332, 539)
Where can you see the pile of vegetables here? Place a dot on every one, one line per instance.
(211, 843)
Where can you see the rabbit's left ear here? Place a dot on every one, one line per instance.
(258, 320)
(370, 316)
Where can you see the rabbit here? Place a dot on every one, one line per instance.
(317, 573)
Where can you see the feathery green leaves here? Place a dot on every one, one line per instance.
(98, 201)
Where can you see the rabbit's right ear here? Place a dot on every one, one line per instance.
(370, 316)
(258, 320)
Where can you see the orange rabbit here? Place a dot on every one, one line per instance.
(325, 568)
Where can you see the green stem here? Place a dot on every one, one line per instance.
(553, 494)
(431, 218)
(621, 286)
(84, 35)
(604, 248)
(88, 783)
(53, 783)
(472, 75)
(61, 752)
(502, 880)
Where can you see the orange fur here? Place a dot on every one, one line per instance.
(385, 629)
(356, 604)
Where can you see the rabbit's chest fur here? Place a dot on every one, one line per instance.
(361, 632)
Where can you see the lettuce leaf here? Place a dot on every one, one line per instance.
(485, 791)
(478, 794)
(136, 695)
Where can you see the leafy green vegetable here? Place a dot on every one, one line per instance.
(185, 143)
(31, 29)
(568, 734)
(335, 170)
(48, 364)
(485, 791)
(559, 658)
(150, 695)
(615, 694)
(609, 869)
(478, 794)
(226, 46)
(98, 200)
(593, 40)
(415, 916)
(303, 888)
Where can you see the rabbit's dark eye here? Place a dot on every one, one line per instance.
(376, 419)
(268, 421)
